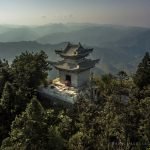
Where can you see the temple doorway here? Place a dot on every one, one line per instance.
(68, 79)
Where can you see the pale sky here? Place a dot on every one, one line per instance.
(37, 12)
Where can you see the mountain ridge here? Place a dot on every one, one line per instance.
(118, 47)
(111, 60)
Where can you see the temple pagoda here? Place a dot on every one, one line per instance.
(74, 68)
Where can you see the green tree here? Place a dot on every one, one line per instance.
(122, 76)
(30, 70)
(98, 126)
(107, 84)
(4, 124)
(7, 97)
(56, 142)
(12, 101)
(4, 74)
(28, 130)
(144, 125)
(132, 117)
(110, 124)
(142, 76)
(76, 142)
(6, 110)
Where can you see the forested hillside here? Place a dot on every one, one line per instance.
(118, 119)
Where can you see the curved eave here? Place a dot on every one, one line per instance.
(74, 56)
(74, 70)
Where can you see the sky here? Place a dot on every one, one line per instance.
(38, 12)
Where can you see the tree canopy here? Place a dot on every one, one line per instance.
(118, 118)
(142, 76)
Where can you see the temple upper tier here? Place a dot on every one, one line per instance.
(74, 51)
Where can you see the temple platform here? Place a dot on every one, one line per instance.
(60, 91)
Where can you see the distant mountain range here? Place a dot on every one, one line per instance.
(118, 47)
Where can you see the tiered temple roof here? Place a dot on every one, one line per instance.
(74, 52)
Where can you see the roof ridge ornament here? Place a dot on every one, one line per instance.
(80, 45)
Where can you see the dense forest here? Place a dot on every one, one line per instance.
(118, 120)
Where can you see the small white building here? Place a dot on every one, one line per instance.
(74, 72)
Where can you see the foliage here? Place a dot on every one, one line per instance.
(75, 142)
(30, 70)
(18, 83)
(122, 75)
(27, 129)
(142, 76)
(118, 119)
(144, 125)
(99, 126)
(107, 84)
(4, 74)
(7, 97)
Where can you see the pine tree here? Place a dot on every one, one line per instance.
(142, 76)
(28, 131)
(6, 110)
(107, 84)
(132, 117)
(7, 97)
(4, 74)
(144, 125)
(122, 76)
